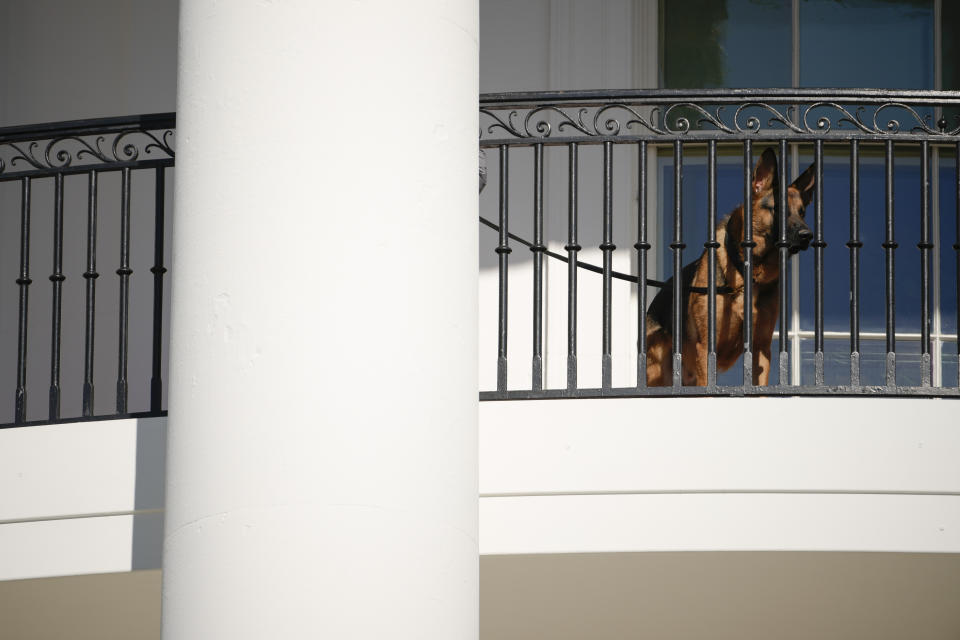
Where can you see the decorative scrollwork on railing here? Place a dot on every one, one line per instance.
(682, 122)
(715, 115)
(893, 125)
(64, 158)
(65, 151)
(507, 126)
(612, 127)
(824, 124)
(753, 124)
(872, 121)
(535, 123)
(542, 126)
(619, 119)
(20, 155)
(607, 120)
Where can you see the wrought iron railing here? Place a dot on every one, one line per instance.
(664, 145)
(78, 196)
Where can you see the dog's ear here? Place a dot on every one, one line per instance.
(765, 173)
(804, 184)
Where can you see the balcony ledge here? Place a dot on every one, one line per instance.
(724, 474)
(559, 477)
(81, 497)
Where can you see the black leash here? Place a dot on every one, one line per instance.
(616, 274)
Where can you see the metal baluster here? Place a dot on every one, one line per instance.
(925, 246)
(24, 282)
(124, 272)
(783, 357)
(572, 249)
(711, 245)
(748, 245)
(56, 279)
(156, 380)
(503, 252)
(956, 247)
(642, 246)
(90, 275)
(936, 268)
(889, 247)
(677, 246)
(537, 248)
(854, 246)
(818, 246)
(607, 247)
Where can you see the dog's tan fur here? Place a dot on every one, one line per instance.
(730, 306)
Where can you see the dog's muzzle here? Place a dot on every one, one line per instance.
(799, 239)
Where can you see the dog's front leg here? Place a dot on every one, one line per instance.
(765, 310)
(694, 363)
(659, 358)
(761, 365)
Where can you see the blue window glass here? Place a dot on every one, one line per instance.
(836, 231)
(726, 43)
(866, 43)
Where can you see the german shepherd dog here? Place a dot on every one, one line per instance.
(730, 277)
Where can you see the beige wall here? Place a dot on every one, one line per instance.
(720, 596)
(95, 607)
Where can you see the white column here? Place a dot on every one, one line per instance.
(322, 464)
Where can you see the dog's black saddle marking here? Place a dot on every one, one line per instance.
(661, 309)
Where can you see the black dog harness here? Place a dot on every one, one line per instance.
(733, 252)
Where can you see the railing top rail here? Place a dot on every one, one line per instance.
(723, 114)
(101, 144)
(87, 127)
(522, 99)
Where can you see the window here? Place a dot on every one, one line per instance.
(895, 44)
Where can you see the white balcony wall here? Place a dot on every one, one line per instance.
(719, 474)
(564, 476)
(81, 498)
